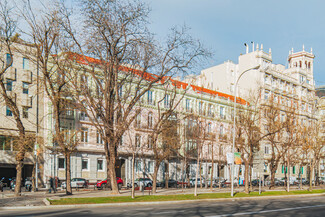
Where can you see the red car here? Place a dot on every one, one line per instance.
(106, 183)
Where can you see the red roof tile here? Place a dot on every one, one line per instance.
(149, 76)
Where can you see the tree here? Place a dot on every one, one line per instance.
(249, 134)
(274, 126)
(50, 41)
(122, 50)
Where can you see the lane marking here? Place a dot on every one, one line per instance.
(268, 211)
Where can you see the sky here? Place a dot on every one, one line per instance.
(225, 25)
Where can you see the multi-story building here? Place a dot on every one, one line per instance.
(21, 85)
(289, 86)
(197, 104)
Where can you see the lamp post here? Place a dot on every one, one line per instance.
(234, 130)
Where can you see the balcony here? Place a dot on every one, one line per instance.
(26, 100)
(27, 76)
(11, 74)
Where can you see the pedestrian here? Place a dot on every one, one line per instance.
(51, 180)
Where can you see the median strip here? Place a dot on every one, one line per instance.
(178, 197)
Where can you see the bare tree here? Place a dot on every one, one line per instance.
(50, 41)
(115, 34)
(274, 126)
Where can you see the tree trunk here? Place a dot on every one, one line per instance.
(34, 177)
(246, 178)
(19, 168)
(154, 181)
(200, 174)
(166, 173)
(311, 177)
(219, 168)
(132, 191)
(68, 190)
(212, 170)
(288, 179)
(273, 170)
(112, 172)
(196, 174)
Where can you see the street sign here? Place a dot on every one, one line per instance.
(258, 162)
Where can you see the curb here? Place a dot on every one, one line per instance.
(48, 206)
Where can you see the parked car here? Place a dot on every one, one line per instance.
(192, 182)
(171, 183)
(106, 183)
(146, 182)
(76, 183)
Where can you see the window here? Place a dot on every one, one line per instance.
(150, 141)
(25, 87)
(99, 138)
(100, 165)
(8, 111)
(150, 167)
(138, 121)
(61, 163)
(293, 170)
(210, 169)
(188, 105)
(200, 108)
(8, 59)
(267, 149)
(9, 85)
(25, 63)
(167, 101)
(84, 135)
(25, 112)
(121, 141)
(137, 140)
(302, 170)
(222, 112)
(83, 116)
(282, 168)
(210, 110)
(150, 120)
(150, 102)
(84, 164)
(138, 166)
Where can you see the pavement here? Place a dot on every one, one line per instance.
(38, 199)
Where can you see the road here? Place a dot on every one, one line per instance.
(299, 206)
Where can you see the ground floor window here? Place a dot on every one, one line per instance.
(84, 164)
(61, 163)
(100, 165)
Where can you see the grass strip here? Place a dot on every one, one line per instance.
(152, 198)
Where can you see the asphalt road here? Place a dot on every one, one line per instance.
(299, 206)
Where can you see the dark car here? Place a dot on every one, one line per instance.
(106, 183)
(171, 184)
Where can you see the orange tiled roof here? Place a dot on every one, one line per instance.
(149, 76)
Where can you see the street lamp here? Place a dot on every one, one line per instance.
(234, 130)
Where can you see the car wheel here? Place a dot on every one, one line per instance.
(149, 185)
(119, 186)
